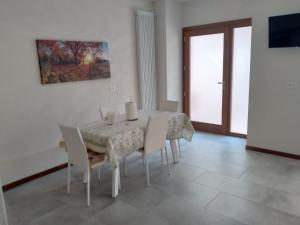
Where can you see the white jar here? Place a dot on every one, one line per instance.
(131, 111)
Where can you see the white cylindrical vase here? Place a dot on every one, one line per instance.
(131, 111)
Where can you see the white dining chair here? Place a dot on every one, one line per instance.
(78, 155)
(155, 139)
(170, 106)
(3, 215)
(105, 110)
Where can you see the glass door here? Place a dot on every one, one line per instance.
(208, 77)
(240, 80)
(216, 74)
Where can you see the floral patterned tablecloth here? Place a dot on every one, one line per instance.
(124, 137)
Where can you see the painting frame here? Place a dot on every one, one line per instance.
(63, 61)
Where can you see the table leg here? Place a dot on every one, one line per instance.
(174, 151)
(115, 181)
(85, 177)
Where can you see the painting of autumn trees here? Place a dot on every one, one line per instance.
(64, 61)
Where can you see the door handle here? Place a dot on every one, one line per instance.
(223, 85)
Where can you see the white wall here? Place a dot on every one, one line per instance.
(274, 109)
(159, 8)
(174, 50)
(168, 49)
(30, 112)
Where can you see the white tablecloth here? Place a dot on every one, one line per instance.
(124, 137)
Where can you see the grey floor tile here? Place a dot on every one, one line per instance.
(250, 213)
(147, 220)
(118, 213)
(14, 218)
(33, 206)
(238, 187)
(187, 172)
(248, 160)
(35, 188)
(36, 208)
(73, 214)
(75, 209)
(92, 221)
(223, 168)
(291, 171)
(179, 187)
(145, 198)
(284, 202)
(178, 211)
(123, 213)
(273, 180)
(217, 182)
(78, 193)
(276, 199)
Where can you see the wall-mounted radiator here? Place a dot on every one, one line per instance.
(146, 59)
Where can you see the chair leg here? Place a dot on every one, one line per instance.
(85, 177)
(99, 173)
(179, 148)
(69, 179)
(169, 169)
(119, 183)
(115, 181)
(172, 151)
(147, 170)
(125, 167)
(161, 156)
(88, 188)
(144, 160)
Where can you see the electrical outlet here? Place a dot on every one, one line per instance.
(112, 88)
(292, 84)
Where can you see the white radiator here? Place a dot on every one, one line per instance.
(146, 60)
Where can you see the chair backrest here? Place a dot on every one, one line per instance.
(77, 152)
(3, 215)
(156, 132)
(105, 110)
(169, 106)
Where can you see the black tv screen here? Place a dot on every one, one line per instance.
(284, 31)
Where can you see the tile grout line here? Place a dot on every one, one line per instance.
(259, 204)
(211, 200)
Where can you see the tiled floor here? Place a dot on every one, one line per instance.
(217, 182)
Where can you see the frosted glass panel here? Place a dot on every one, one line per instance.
(240, 79)
(206, 75)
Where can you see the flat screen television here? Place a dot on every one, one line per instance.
(284, 31)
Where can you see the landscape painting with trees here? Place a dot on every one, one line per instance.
(64, 61)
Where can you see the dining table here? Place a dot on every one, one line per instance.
(121, 138)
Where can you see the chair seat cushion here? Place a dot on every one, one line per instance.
(95, 157)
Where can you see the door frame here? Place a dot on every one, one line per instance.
(187, 32)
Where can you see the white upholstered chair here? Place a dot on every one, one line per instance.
(155, 138)
(170, 106)
(3, 215)
(105, 110)
(79, 156)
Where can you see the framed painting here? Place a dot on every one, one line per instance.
(65, 61)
